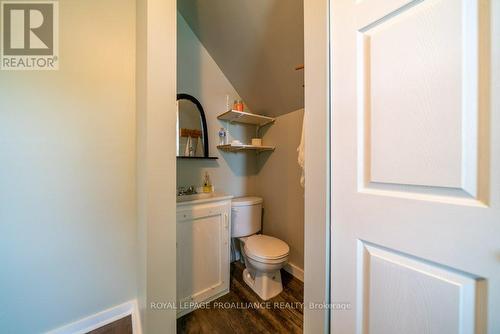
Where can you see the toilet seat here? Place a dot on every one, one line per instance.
(266, 249)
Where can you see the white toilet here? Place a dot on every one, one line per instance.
(264, 255)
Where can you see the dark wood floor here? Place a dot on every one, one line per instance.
(122, 326)
(284, 316)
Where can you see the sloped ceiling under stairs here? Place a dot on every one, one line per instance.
(257, 44)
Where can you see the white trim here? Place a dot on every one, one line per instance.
(296, 271)
(103, 318)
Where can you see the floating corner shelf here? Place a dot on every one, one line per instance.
(238, 148)
(245, 118)
(198, 158)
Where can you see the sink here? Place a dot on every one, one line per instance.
(194, 197)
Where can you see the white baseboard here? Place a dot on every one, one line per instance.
(103, 318)
(297, 272)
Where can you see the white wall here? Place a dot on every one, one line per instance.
(199, 75)
(67, 176)
(156, 112)
(278, 182)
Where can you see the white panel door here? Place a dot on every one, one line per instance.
(415, 166)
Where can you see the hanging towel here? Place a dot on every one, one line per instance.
(301, 150)
(188, 149)
(199, 148)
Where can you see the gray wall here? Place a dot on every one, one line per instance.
(278, 183)
(67, 175)
(199, 75)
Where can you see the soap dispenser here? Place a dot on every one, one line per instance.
(207, 186)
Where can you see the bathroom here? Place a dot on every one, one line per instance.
(120, 212)
(253, 113)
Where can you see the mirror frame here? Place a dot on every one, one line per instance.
(203, 121)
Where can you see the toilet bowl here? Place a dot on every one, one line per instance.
(263, 255)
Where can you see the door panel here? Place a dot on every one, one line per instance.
(418, 74)
(404, 54)
(200, 256)
(415, 166)
(399, 293)
(202, 253)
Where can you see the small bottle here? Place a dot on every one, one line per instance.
(222, 136)
(207, 186)
(240, 106)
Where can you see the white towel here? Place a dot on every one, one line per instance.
(199, 148)
(301, 150)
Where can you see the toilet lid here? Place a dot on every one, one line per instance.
(266, 247)
(246, 201)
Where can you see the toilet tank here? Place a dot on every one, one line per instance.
(246, 216)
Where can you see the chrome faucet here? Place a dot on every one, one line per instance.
(181, 191)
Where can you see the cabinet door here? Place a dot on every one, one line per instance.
(202, 254)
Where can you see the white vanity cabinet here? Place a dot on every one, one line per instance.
(203, 250)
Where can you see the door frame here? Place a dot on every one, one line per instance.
(317, 171)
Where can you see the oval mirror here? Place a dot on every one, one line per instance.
(192, 136)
